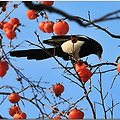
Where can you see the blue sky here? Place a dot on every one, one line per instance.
(36, 69)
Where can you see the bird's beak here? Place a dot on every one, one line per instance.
(99, 55)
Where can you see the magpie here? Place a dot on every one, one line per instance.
(75, 46)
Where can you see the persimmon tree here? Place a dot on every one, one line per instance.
(80, 73)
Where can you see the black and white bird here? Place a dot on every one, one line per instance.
(76, 46)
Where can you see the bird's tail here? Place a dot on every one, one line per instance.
(40, 54)
(37, 54)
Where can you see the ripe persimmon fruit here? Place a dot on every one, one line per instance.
(58, 89)
(32, 14)
(61, 28)
(48, 26)
(76, 114)
(49, 3)
(13, 110)
(14, 98)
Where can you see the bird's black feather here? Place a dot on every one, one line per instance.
(87, 46)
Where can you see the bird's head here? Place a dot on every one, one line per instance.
(89, 47)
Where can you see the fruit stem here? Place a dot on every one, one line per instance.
(45, 15)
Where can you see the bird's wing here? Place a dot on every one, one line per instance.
(57, 41)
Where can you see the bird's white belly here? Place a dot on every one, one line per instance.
(69, 48)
